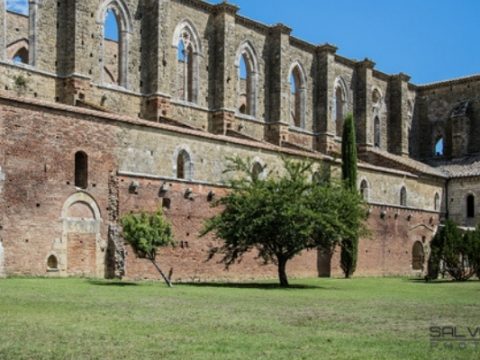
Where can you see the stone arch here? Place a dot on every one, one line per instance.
(31, 11)
(52, 262)
(15, 47)
(247, 53)
(365, 189)
(340, 104)
(418, 256)
(378, 117)
(187, 71)
(124, 21)
(298, 90)
(183, 157)
(82, 249)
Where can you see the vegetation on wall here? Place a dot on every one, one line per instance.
(282, 215)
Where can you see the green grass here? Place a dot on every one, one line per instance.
(374, 318)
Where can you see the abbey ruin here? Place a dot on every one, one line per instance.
(94, 126)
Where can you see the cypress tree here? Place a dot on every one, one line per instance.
(349, 247)
(349, 153)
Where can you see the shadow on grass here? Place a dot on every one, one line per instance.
(440, 281)
(111, 283)
(260, 286)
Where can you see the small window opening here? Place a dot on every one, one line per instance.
(81, 170)
(470, 206)
(21, 56)
(18, 6)
(403, 197)
(377, 132)
(52, 263)
(439, 147)
(112, 32)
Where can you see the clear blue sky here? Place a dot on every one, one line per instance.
(430, 40)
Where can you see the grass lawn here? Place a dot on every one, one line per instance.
(374, 318)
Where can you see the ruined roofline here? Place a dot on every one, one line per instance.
(450, 82)
(265, 28)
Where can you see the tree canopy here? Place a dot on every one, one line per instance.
(146, 233)
(280, 215)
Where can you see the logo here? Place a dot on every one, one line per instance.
(455, 337)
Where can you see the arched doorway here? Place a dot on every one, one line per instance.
(84, 249)
(418, 256)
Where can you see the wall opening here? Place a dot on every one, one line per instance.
(439, 147)
(188, 50)
(470, 206)
(52, 263)
(339, 106)
(364, 190)
(403, 197)
(81, 170)
(246, 83)
(185, 65)
(297, 93)
(18, 7)
(184, 166)
(436, 202)
(21, 56)
(377, 132)
(418, 256)
(111, 48)
(257, 171)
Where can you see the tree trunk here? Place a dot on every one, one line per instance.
(282, 274)
(167, 280)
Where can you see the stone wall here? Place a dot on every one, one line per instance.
(46, 214)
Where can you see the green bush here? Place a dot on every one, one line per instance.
(458, 252)
(146, 233)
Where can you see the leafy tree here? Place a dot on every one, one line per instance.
(458, 252)
(349, 246)
(282, 215)
(146, 233)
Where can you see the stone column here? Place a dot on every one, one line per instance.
(324, 122)
(276, 130)
(363, 105)
(3, 35)
(158, 58)
(32, 31)
(398, 115)
(224, 89)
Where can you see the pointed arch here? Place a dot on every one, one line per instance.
(340, 101)
(297, 104)
(183, 166)
(247, 87)
(114, 55)
(365, 190)
(188, 47)
(24, 8)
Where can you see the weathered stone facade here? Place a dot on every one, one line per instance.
(122, 112)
